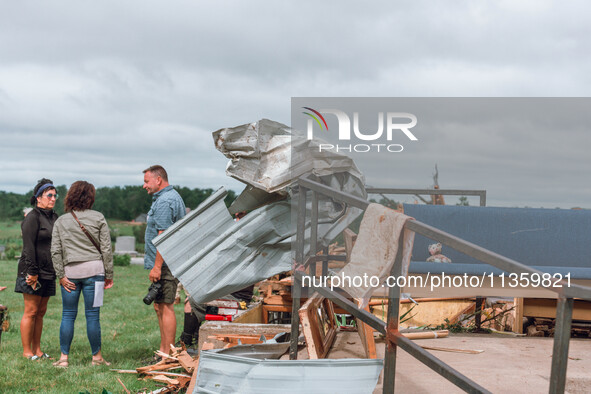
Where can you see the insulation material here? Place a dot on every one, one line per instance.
(375, 250)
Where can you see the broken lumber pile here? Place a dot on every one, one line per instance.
(179, 361)
(497, 316)
(276, 294)
(219, 335)
(544, 327)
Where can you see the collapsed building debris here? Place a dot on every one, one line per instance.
(212, 255)
(160, 372)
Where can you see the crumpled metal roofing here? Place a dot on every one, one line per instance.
(267, 155)
(212, 255)
(181, 241)
(221, 373)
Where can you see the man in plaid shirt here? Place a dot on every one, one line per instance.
(167, 208)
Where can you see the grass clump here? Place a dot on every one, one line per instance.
(121, 260)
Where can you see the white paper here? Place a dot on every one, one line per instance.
(99, 291)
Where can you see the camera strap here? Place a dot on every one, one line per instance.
(96, 245)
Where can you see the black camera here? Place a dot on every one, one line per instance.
(153, 292)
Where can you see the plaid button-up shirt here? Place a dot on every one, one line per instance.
(167, 208)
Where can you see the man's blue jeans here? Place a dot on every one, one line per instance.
(70, 310)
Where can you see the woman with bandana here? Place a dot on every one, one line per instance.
(36, 276)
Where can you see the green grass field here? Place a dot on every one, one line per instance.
(122, 227)
(129, 334)
(10, 237)
(10, 229)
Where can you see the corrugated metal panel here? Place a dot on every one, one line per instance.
(220, 373)
(185, 238)
(227, 256)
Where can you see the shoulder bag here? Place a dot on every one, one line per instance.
(96, 245)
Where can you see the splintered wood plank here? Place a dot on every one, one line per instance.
(124, 388)
(448, 349)
(518, 302)
(210, 328)
(184, 381)
(367, 339)
(176, 375)
(426, 334)
(124, 370)
(158, 367)
(244, 339)
(175, 350)
(193, 382)
(165, 356)
(165, 380)
(284, 300)
(186, 361)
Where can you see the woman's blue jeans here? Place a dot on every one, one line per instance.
(70, 310)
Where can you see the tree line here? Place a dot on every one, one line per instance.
(115, 202)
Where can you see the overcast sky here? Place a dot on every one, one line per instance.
(101, 90)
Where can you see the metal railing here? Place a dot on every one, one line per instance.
(447, 192)
(444, 192)
(394, 338)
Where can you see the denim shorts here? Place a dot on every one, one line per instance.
(47, 288)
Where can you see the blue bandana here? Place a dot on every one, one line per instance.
(42, 188)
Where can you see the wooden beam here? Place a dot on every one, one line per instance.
(518, 314)
(367, 339)
(545, 307)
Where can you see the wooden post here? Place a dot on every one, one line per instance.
(518, 314)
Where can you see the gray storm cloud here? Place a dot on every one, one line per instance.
(101, 90)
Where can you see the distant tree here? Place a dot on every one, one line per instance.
(12, 204)
(230, 197)
(115, 202)
(463, 201)
(388, 202)
(59, 204)
(193, 197)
